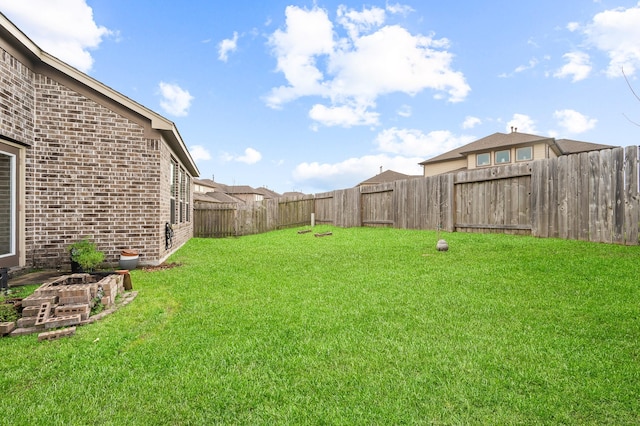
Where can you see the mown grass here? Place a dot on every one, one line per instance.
(367, 326)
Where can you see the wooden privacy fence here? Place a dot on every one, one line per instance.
(589, 196)
(219, 220)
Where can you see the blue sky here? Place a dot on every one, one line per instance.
(313, 96)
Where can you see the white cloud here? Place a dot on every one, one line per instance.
(616, 32)
(578, 66)
(356, 22)
(573, 26)
(226, 46)
(523, 123)
(63, 28)
(412, 142)
(175, 100)
(573, 121)
(373, 59)
(532, 64)
(470, 122)
(352, 171)
(399, 9)
(308, 34)
(345, 115)
(199, 152)
(251, 156)
(405, 111)
(401, 150)
(392, 60)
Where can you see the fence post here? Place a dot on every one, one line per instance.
(631, 195)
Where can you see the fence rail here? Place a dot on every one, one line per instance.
(589, 196)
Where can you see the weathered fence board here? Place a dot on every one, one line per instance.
(582, 194)
(494, 200)
(377, 206)
(214, 220)
(589, 196)
(631, 195)
(294, 211)
(617, 205)
(324, 208)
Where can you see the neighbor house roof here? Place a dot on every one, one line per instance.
(267, 193)
(568, 146)
(386, 176)
(242, 189)
(293, 194)
(237, 189)
(41, 59)
(216, 197)
(499, 140)
(205, 182)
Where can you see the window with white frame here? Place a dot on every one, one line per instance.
(524, 153)
(182, 194)
(188, 199)
(483, 159)
(503, 156)
(9, 201)
(173, 191)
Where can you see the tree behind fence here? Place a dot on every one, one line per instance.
(589, 196)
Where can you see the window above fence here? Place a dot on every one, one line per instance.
(524, 153)
(503, 156)
(483, 159)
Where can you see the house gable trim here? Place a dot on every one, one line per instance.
(42, 62)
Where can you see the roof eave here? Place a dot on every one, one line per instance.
(549, 141)
(158, 122)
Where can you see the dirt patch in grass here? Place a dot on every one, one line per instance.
(161, 267)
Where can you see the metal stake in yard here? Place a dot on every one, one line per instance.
(4, 280)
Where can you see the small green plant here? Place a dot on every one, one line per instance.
(8, 312)
(86, 254)
(96, 302)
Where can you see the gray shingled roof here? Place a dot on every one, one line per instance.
(568, 146)
(216, 197)
(267, 193)
(386, 176)
(498, 140)
(241, 189)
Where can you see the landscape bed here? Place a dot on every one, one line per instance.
(363, 326)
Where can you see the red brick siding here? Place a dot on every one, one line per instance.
(16, 99)
(91, 170)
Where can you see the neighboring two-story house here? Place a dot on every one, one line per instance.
(504, 148)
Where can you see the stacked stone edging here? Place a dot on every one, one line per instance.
(66, 301)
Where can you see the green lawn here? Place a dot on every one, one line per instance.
(366, 326)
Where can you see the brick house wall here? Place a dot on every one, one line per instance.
(93, 165)
(16, 96)
(182, 231)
